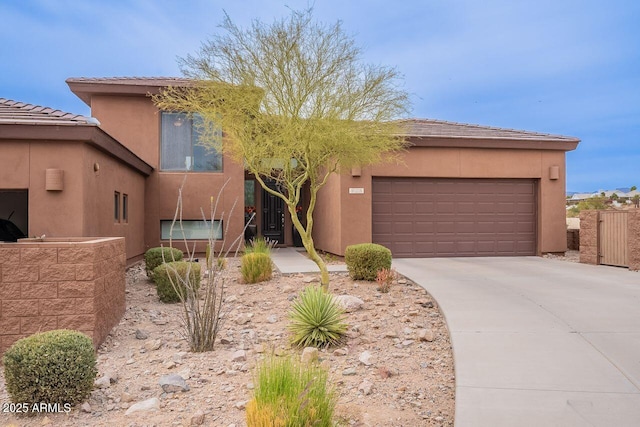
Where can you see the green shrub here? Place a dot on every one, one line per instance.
(259, 245)
(366, 259)
(256, 267)
(172, 278)
(288, 393)
(153, 258)
(50, 367)
(316, 319)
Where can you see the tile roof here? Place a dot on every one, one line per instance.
(417, 128)
(14, 112)
(422, 128)
(132, 81)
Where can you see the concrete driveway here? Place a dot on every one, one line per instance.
(538, 342)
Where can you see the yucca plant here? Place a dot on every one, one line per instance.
(317, 320)
(290, 394)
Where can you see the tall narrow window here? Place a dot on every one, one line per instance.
(125, 208)
(116, 206)
(182, 148)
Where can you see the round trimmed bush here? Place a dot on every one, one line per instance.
(51, 367)
(256, 267)
(366, 259)
(176, 276)
(154, 257)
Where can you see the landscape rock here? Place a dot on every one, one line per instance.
(349, 372)
(197, 419)
(239, 356)
(85, 407)
(366, 387)
(340, 352)
(141, 335)
(126, 397)
(309, 355)
(366, 358)
(425, 335)
(148, 405)
(349, 303)
(173, 384)
(103, 382)
(153, 345)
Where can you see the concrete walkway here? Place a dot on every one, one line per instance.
(294, 260)
(538, 342)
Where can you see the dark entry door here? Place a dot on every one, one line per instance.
(272, 216)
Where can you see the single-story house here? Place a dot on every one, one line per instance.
(460, 189)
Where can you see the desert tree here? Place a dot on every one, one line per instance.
(296, 103)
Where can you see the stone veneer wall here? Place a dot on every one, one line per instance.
(633, 225)
(61, 284)
(589, 238)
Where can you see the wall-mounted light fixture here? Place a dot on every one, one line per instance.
(54, 180)
(554, 173)
(356, 171)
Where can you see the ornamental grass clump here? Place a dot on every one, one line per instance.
(317, 320)
(288, 393)
(366, 259)
(53, 367)
(260, 245)
(156, 256)
(256, 267)
(175, 279)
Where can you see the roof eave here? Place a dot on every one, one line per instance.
(89, 134)
(567, 144)
(85, 89)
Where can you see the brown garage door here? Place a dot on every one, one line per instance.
(425, 217)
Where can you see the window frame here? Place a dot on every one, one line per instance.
(165, 226)
(125, 208)
(116, 206)
(195, 145)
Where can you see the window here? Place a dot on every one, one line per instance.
(125, 208)
(116, 206)
(181, 148)
(193, 230)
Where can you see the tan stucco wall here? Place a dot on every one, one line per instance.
(355, 223)
(56, 213)
(14, 165)
(84, 207)
(100, 187)
(135, 122)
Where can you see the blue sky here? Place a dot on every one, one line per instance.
(569, 67)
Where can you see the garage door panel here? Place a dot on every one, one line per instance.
(455, 217)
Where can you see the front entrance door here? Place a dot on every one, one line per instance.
(272, 216)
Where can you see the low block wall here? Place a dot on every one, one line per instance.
(61, 284)
(589, 221)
